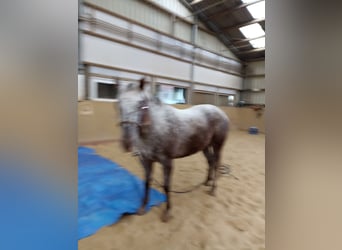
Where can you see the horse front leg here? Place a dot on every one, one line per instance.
(147, 164)
(167, 169)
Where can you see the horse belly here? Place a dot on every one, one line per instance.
(192, 144)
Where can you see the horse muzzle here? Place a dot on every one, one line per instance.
(127, 145)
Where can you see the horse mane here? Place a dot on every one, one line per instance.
(156, 100)
(142, 83)
(130, 86)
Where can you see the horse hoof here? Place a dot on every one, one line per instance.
(141, 211)
(208, 183)
(212, 192)
(166, 216)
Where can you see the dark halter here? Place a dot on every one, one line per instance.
(135, 123)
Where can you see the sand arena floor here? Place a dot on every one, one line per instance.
(234, 219)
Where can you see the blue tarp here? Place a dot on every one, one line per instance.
(106, 191)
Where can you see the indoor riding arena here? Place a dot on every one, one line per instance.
(156, 81)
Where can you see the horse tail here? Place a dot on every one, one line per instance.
(222, 129)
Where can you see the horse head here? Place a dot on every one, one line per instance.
(134, 113)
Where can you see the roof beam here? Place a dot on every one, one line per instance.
(230, 10)
(238, 40)
(196, 12)
(225, 29)
(255, 59)
(250, 51)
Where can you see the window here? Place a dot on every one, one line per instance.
(171, 95)
(107, 90)
(231, 99)
(226, 100)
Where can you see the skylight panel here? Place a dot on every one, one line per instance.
(257, 10)
(252, 30)
(258, 43)
(196, 1)
(247, 1)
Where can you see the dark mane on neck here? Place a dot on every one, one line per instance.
(157, 101)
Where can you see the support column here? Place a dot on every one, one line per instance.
(173, 24)
(80, 11)
(194, 31)
(86, 81)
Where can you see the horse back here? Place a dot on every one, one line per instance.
(193, 129)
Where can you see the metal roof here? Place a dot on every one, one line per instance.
(224, 18)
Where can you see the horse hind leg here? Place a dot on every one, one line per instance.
(217, 143)
(217, 147)
(209, 155)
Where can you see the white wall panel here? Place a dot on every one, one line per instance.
(107, 17)
(205, 88)
(172, 82)
(151, 16)
(112, 73)
(254, 83)
(183, 31)
(215, 89)
(105, 52)
(255, 68)
(257, 98)
(210, 42)
(175, 6)
(254, 98)
(81, 87)
(138, 11)
(228, 91)
(204, 40)
(208, 76)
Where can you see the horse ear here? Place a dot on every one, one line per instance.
(142, 83)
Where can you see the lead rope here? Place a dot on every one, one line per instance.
(224, 169)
